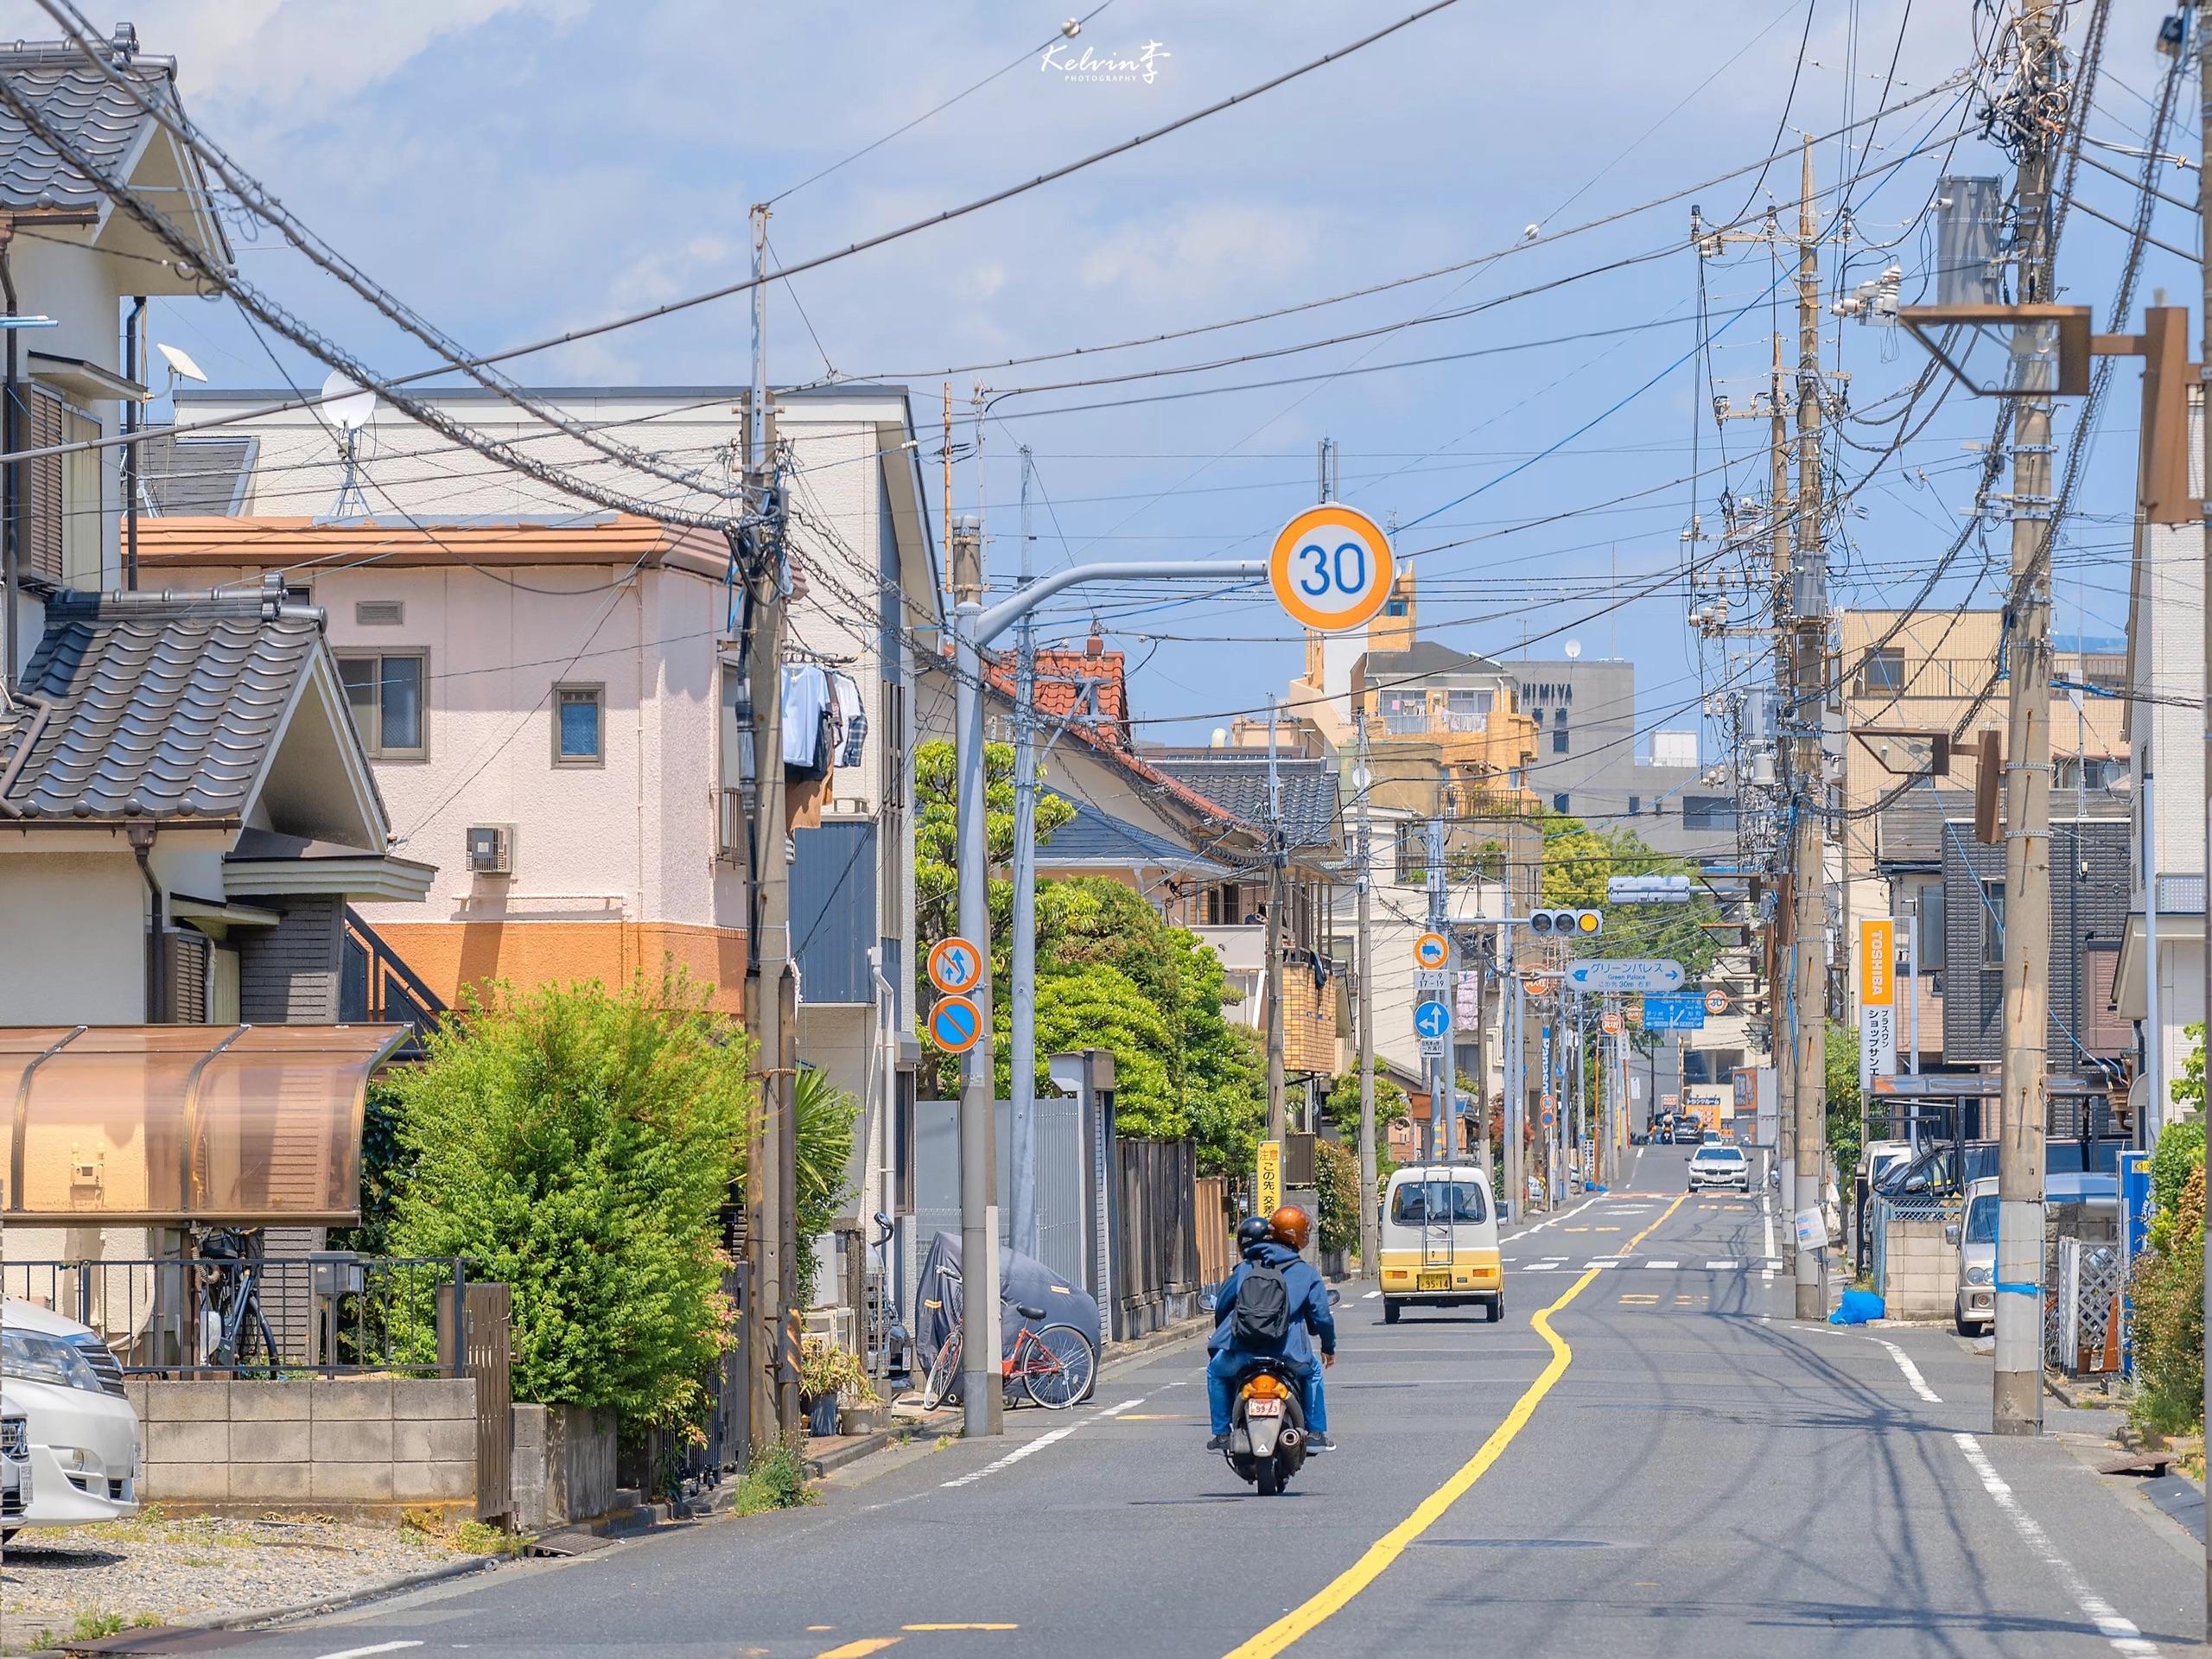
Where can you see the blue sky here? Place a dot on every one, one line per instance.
(515, 167)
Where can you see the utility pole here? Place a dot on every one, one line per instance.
(1370, 1220)
(1510, 1033)
(1022, 978)
(1277, 1123)
(2016, 1387)
(771, 1013)
(1809, 998)
(2204, 134)
(1442, 1107)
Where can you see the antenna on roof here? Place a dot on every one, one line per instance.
(349, 408)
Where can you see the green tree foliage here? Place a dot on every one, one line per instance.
(937, 868)
(1336, 1182)
(2188, 1090)
(386, 1165)
(1340, 1107)
(2167, 1288)
(1842, 1083)
(1579, 861)
(577, 1143)
(823, 1116)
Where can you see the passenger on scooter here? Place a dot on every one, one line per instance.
(1264, 1309)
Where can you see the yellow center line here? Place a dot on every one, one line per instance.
(1340, 1592)
(960, 1627)
(859, 1649)
(1655, 1225)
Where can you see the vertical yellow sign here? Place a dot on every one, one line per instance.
(1270, 1176)
(1878, 981)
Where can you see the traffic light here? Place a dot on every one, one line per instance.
(1567, 923)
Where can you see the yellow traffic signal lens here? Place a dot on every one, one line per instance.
(1587, 921)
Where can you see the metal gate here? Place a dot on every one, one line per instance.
(483, 1351)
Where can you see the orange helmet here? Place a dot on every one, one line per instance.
(1292, 1225)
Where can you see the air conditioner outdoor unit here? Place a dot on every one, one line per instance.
(491, 849)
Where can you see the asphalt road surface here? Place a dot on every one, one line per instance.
(1673, 1468)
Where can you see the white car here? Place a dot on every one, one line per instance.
(15, 1467)
(1722, 1165)
(84, 1436)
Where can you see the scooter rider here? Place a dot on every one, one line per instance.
(1287, 1299)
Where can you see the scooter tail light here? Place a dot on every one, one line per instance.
(1265, 1387)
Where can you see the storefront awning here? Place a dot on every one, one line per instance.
(228, 1124)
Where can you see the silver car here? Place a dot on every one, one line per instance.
(1722, 1166)
(15, 1467)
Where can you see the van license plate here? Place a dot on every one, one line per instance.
(1263, 1407)
(1436, 1280)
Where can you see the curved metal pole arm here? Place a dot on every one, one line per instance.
(994, 621)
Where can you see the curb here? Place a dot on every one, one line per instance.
(1126, 1353)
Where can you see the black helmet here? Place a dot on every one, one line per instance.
(1253, 1229)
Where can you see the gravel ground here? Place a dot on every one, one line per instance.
(152, 1570)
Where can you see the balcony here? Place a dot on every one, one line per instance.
(1421, 722)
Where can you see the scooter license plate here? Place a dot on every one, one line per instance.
(1436, 1280)
(1263, 1407)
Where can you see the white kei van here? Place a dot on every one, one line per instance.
(1440, 1242)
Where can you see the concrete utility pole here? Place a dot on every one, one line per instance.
(1442, 1107)
(1370, 1218)
(2204, 28)
(1808, 996)
(1022, 978)
(2016, 1388)
(1277, 1120)
(1510, 1033)
(771, 1011)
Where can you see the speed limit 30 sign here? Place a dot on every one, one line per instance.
(1331, 567)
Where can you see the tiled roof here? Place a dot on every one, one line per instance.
(1096, 837)
(1911, 830)
(196, 476)
(158, 706)
(1239, 788)
(91, 111)
(1423, 657)
(1063, 678)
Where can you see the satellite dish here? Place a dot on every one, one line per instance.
(179, 362)
(1574, 649)
(347, 406)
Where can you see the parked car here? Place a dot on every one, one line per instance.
(1943, 1172)
(1721, 1166)
(1973, 1305)
(15, 1466)
(83, 1435)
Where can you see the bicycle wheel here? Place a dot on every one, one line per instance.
(1057, 1366)
(943, 1380)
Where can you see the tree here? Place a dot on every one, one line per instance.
(1843, 1098)
(823, 1116)
(578, 1144)
(1340, 1106)
(937, 868)
(2166, 1286)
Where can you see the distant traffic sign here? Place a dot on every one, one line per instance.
(1432, 1048)
(1648, 890)
(1625, 974)
(1431, 950)
(1331, 567)
(1674, 1013)
(1610, 1021)
(1429, 979)
(1432, 1019)
(956, 965)
(1716, 1000)
(954, 1023)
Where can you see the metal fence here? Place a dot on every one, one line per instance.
(328, 1313)
(1156, 1275)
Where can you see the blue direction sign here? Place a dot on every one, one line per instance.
(1433, 1018)
(1684, 1013)
(954, 1023)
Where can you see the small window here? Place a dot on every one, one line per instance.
(1558, 741)
(1882, 674)
(1634, 804)
(1558, 803)
(579, 725)
(1559, 717)
(1993, 924)
(1394, 607)
(385, 692)
(1708, 812)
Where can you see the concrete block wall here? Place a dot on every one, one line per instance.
(1922, 1275)
(369, 1446)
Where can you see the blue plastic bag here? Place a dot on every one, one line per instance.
(1858, 1307)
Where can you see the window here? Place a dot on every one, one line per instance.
(1882, 674)
(62, 530)
(1931, 928)
(1558, 741)
(1993, 924)
(1634, 804)
(1558, 803)
(384, 692)
(1394, 607)
(1708, 812)
(579, 726)
(1981, 1220)
(1419, 1201)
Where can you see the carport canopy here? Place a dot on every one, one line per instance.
(237, 1125)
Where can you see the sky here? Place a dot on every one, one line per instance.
(515, 168)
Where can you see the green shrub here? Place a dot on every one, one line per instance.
(823, 1116)
(577, 1143)
(2179, 1154)
(775, 1479)
(1336, 1180)
(2167, 1290)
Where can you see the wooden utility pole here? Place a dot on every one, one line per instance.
(2016, 1388)
(1370, 1221)
(1808, 620)
(1277, 1118)
(770, 1011)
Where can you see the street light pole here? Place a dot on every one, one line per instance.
(1022, 978)
(974, 628)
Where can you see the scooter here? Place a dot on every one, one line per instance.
(1267, 1431)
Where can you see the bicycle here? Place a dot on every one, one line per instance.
(1054, 1363)
(229, 1267)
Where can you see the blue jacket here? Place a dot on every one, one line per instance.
(1309, 1303)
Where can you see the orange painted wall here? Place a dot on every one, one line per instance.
(1309, 1021)
(450, 955)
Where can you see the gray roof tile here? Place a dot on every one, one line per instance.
(160, 705)
(1239, 788)
(1093, 836)
(197, 477)
(93, 113)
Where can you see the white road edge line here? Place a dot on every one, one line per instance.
(2123, 1634)
(1563, 1215)
(1371, 1294)
(1050, 1438)
(363, 1653)
(1662, 1264)
(1911, 1372)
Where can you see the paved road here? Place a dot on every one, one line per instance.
(1674, 1470)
